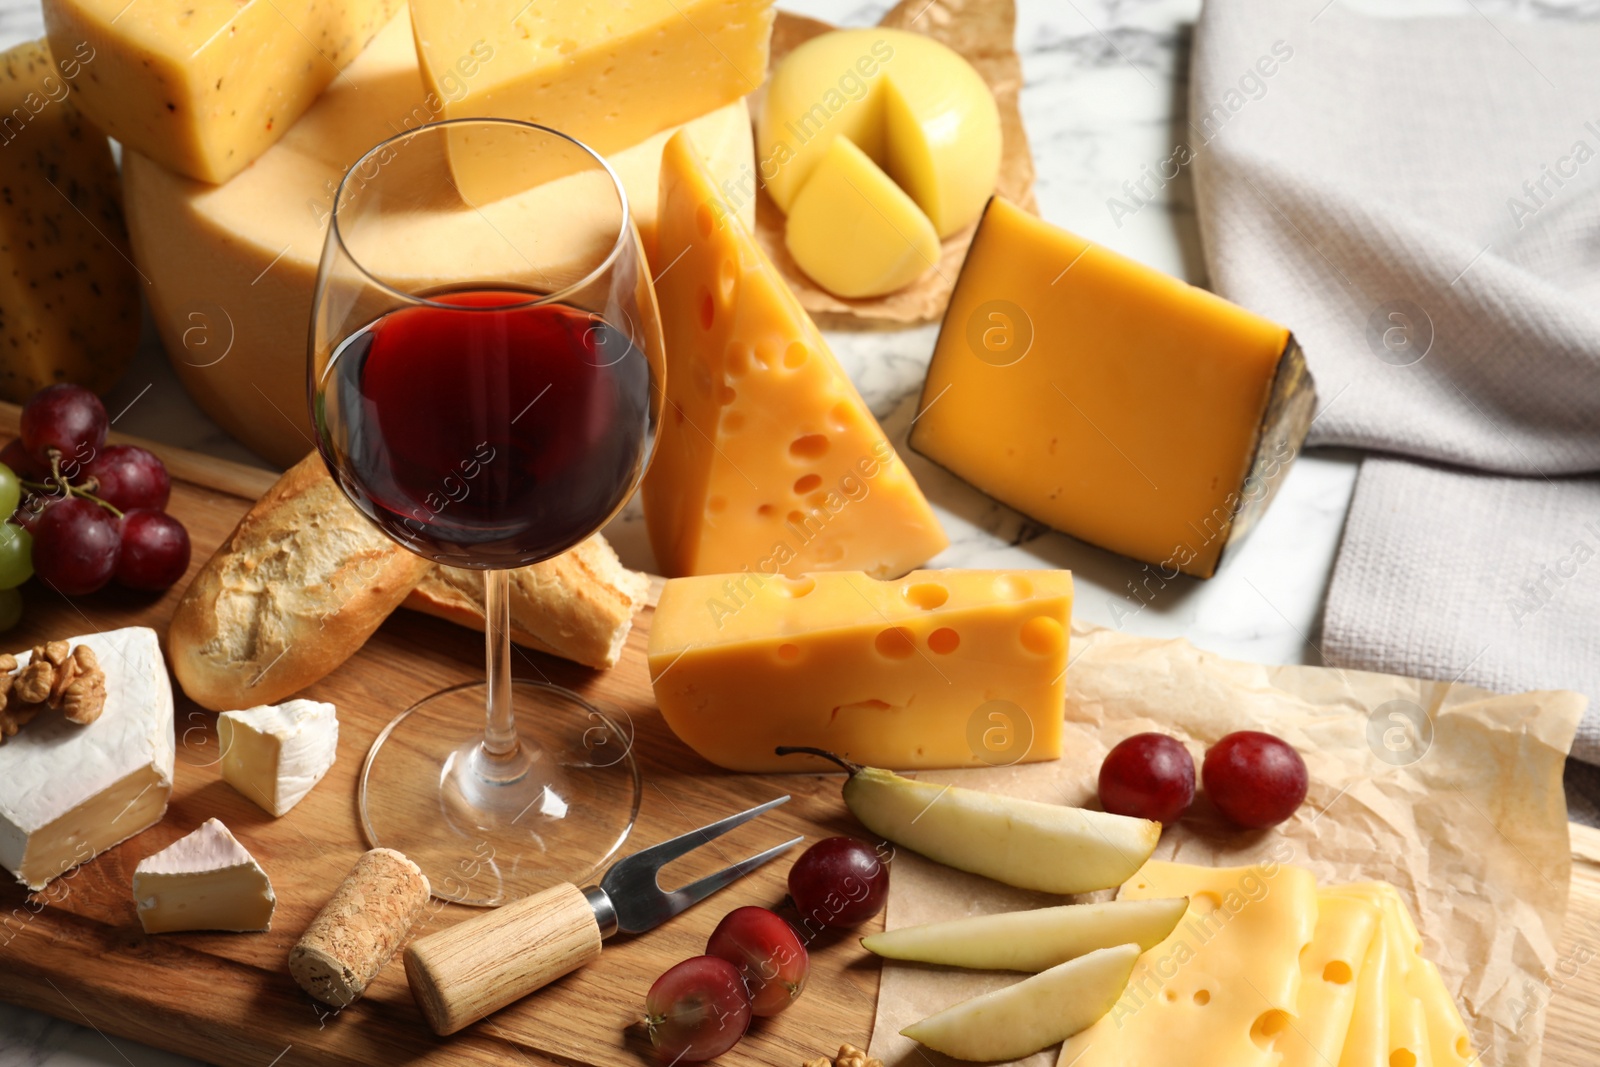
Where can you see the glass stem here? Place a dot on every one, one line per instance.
(500, 734)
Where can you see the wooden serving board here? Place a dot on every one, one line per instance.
(76, 949)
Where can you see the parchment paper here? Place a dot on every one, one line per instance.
(983, 31)
(1450, 792)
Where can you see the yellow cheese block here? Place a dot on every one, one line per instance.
(767, 460)
(856, 232)
(1330, 973)
(69, 296)
(1221, 990)
(1109, 400)
(206, 86)
(912, 104)
(938, 669)
(232, 268)
(607, 72)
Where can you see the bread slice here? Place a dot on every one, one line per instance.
(294, 591)
(579, 605)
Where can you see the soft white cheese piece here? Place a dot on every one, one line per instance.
(69, 792)
(274, 754)
(205, 881)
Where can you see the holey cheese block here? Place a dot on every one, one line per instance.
(938, 669)
(69, 792)
(768, 460)
(232, 268)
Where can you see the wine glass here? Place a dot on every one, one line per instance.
(485, 382)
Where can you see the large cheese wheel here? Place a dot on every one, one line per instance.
(233, 267)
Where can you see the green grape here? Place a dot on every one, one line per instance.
(10, 491)
(10, 608)
(16, 556)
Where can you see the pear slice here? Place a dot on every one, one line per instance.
(1034, 1014)
(1025, 843)
(1033, 940)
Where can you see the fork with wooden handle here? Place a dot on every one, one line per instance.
(477, 967)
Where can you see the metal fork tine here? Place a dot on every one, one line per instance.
(695, 892)
(658, 856)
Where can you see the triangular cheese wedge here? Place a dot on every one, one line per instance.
(767, 459)
(205, 881)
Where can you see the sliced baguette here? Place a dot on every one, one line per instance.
(579, 605)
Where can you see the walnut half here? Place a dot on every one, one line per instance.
(83, 697)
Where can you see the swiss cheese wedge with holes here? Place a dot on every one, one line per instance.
(767, 461)
(937, 669)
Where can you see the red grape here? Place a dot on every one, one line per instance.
(768, 954)
(155, 550)
(1148, 776)
(839, 882)
(697, 1009)
(128, 477)
(75, 546)
(1254, 779)
(15, 455)
(64, 417)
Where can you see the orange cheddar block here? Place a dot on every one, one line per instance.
(938, 669)
(767, 459)
(1109, 400)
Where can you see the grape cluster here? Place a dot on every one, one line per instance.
(83, 513)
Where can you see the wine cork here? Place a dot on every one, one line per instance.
(360, 927)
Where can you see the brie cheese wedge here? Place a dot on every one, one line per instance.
(205, 881)
(69, 792)
(275, 753)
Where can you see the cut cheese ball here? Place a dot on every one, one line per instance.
(69, 296)
(1330, 972)
(856, 232)
(205, 881)
(275, 754)
(938, 669)
(767, 460)
(1034, 940)
(912, 104)
(69, 792)
(1033, 1014)
(206, 86)
(233, 268)
(609, 74)
(1225, 984)
(1109, 400)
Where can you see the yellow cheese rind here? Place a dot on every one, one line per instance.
(937, 669)
(1109, 400)
(767, 459)
(1330, 980)
(232, 268)
(854, 231)
(1224, 985)
(204, 87)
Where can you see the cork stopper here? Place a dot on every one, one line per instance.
(360, 928)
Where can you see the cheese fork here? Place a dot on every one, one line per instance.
(477, 967)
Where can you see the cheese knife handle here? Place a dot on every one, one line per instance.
(477, 967)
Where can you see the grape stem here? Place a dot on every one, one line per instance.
(66, 488)
(807, 750)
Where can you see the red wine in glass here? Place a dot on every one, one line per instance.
(495, 435)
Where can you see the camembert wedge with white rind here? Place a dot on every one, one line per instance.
(69, 792)
(275, 753)
(205, 881)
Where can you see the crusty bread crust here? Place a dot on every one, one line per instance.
(579, 605)
(294, 591)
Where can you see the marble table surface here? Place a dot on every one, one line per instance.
(1104, 95)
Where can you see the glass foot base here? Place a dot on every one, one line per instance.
(489, 829)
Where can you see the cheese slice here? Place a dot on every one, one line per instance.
(69, 792)
(233, 268)
(1366, 1044)
(205, 881)
(1224, 985)
(206, 86)
(1109, 400)
(938, 669)
(274, 754)
(1330, 973)
(767, 459)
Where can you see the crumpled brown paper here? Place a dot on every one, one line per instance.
(983, 31)
(1450, 792)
